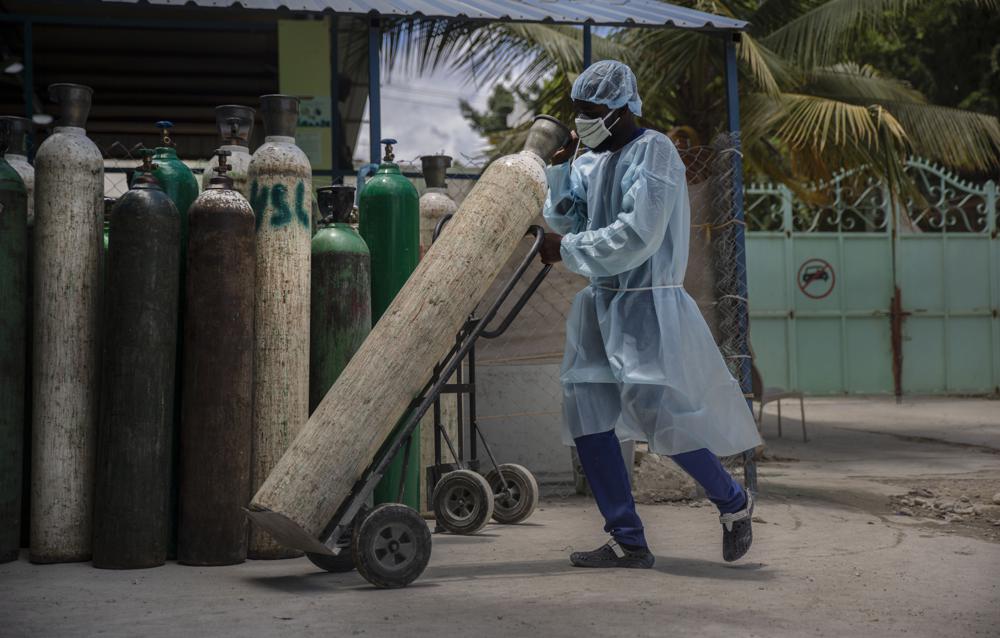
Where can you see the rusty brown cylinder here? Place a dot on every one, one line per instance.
(217, 418)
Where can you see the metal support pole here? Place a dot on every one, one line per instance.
(588, 55)
(336, 133)
(28, 79)
(739, 228)
(374, 86)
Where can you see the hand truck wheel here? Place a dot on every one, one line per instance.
(391, 546)
(515, 501)
(463, 502)
(339, 564)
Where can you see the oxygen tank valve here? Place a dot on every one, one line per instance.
(388, 149)
(144, 174)
(165, 126)
(223, 166)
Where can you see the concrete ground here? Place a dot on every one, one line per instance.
(843, 548)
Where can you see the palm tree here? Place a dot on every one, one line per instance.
(807, 108)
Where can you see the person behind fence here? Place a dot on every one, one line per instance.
(640, 362)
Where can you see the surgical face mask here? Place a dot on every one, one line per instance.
(594, 132)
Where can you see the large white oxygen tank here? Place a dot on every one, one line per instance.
(281, 196)
(69, 222)
(235, 124)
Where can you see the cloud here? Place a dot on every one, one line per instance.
(422, 113)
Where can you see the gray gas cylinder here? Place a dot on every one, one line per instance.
(435, 202)
(69, 211)
(235, 124)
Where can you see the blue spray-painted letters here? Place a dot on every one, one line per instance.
(277, 196)
(300, 212)
(258, 201)
(279, 200)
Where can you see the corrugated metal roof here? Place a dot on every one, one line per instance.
(647, 13)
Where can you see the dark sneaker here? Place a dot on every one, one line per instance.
(611, 554)
(737, 531)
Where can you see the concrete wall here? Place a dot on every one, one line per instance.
(520, 413)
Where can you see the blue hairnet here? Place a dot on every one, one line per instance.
(608, 82)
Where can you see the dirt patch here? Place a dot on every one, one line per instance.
(657, 479)
(965, 506)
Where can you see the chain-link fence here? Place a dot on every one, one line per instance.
(120, 161)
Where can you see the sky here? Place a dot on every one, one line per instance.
(421, 112)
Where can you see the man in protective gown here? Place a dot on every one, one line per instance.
(640, 361)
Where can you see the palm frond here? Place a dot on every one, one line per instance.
(819, 135)
(669, 56)
(961, 140)
(816, 122)
(769, 72)
(822, 35)
(769, 15)
(852, 82)
(493, 52)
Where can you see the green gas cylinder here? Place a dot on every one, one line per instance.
(389, 210)
(13, 326)
(389, 215)
(340, 310)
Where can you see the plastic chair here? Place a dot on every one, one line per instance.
(764, 395)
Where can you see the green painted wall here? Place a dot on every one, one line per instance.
(304, 71)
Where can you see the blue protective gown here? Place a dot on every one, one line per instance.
(639, 356)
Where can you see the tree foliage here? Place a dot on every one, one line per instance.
(824, 82)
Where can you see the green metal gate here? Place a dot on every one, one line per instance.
(859, 296)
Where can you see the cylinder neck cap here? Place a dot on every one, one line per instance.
(235, 123)
(280, 114)
(435, 169)
(336, 203)
(17, 136)
(546, 136)
(74, 103)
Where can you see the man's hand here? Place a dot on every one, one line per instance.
(549, 252)
(567, 151)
